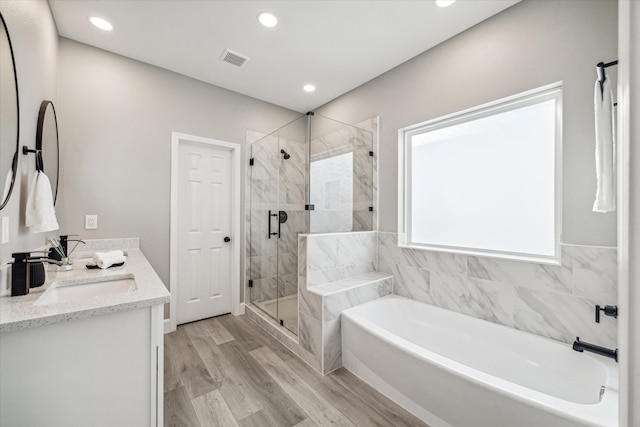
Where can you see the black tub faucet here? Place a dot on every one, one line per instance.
(602, 351)
(21, 273)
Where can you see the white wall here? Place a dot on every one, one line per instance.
(634, 254)
(531, 44)
(35, 44)
(116, 116)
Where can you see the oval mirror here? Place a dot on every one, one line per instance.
(9, 117)
(48, 158)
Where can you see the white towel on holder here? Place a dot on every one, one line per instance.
(7, 185)
(40, 214)
(605, 149)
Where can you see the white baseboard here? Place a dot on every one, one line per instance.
(167, 326)
(240, 310)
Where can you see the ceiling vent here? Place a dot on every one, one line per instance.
(234, 58)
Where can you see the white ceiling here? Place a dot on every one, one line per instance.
(336, 45)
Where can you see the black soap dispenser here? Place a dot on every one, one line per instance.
(36, 274)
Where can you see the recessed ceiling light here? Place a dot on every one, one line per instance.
(103, 24)
(309, 88)
(445, 3)
(267, 19)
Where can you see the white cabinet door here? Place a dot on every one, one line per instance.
(98, 371)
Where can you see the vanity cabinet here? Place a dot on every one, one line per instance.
(104, 370)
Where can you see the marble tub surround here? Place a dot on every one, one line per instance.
(553, 301)
(17, 313)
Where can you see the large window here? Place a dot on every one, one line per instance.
(487, 180)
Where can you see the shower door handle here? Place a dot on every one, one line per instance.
(269, 221)
(282, 218)
(278, 215)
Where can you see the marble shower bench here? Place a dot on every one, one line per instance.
(339, 296)
(335, 271)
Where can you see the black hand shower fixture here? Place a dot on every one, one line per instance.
(285, 154)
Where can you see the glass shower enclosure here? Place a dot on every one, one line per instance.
(313, 175)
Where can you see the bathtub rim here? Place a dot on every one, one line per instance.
(603, 413)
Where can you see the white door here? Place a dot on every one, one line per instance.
(204, 223)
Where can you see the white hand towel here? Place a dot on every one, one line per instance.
(605, 149)
(99, 255)
(107, 259)
(40, 214)
(7, 185)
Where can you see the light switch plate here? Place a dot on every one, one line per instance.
(5, 229)
(90, 222)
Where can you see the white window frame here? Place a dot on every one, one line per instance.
(552, 91)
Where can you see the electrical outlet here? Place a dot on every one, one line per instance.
(5, 229)
(91, 222)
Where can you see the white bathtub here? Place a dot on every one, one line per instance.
(449, 369)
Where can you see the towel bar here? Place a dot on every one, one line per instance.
(39, 162)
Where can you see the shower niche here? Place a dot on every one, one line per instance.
(313, 175)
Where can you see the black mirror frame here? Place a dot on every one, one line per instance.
(39, 133)
(14, 163)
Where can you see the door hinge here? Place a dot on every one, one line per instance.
(370, 153)
(370, 208)
(250, 283)
(281, 322)
(309, 207)
(251, 161)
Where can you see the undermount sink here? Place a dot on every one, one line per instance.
(85, 289)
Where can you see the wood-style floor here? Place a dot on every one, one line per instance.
(226, 371)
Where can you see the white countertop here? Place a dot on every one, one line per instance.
(19, 312)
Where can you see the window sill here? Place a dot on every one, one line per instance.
(510, 256)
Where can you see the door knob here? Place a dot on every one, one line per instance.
(227, 239)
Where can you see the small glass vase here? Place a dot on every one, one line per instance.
(66, 264)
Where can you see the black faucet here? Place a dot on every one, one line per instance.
(602, 351)
(21, 273)
(609, 310)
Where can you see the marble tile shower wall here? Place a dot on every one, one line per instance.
(366, 187)
(261, 195)
(358, 140)
(293, 182)
(274, 184)
(556, 302)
